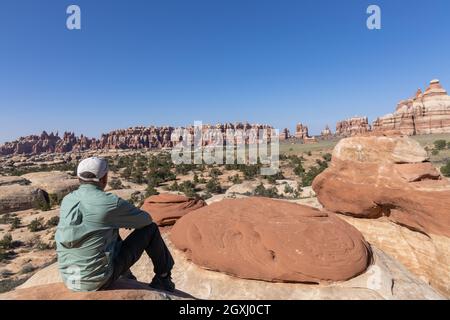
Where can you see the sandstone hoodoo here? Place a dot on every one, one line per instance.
(371, 177)
(278, 241)
(167, 208)
(353, 126)
(425, 113)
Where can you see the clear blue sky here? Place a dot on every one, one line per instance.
(142, 62)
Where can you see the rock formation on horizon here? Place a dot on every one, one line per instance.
(425, 113)
(353, 126)
(132, 138)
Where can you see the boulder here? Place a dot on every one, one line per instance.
(371, 177)
(19, 197)
(279, 241)
(167, 208)
(428, 257)
(54, 182)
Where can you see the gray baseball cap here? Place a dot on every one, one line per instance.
(94, 165)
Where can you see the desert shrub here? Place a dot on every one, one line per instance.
(235, 179)
(327, 157)
(115, 184)
(313, 172)
(27, 268)
(159, 175)
(309, 153)
(274, 177)
(448, 145)
(55, 199)
(36, 225)
(445, 170)
(261, 191)
(195, 179)
(214, 173)
(288, 189)
(42, 204)
(6, 242)
(213, 186)
(7, 218)
(137, 199)
(435, 152)
(184, 168)
(15, 223)
(188, 188)
(440, 144)
(150, 190)
(52, 222)
(249, 171)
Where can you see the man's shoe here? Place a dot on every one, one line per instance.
(163, 283)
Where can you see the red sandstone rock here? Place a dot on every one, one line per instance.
(266, 239)
(425, 113)
(167, 208)
(371, 177)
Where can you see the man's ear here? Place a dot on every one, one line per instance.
(104, 181)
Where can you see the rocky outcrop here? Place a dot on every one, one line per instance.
(53, 182)
(132, 138)
(18, 197)
(353, 126)
(167, 208)
(384, 279)
(326, 133)
(285, 134)
(121, 290)
(428, 257)
(425, 113)
(372, 177)
(265, 239)
(301, 131)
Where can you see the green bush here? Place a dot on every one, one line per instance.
(313, 172)
(327, 157)
(41, 204)
(440, 144)
(213, 186)
(214, 173)
(15, 223)
(6, 242)
(52, 222)
(235, 179)
(36, 225)
(274, 177)
(150, 190)
(261, 191)
(435, 152)
(55, 199)
(445, 170)
(115, 184)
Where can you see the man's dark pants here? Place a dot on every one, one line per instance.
(147, 239)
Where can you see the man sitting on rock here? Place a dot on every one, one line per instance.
(91, 254)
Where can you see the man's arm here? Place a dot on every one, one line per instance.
(126, 215)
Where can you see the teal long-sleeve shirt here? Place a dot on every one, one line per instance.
(87, 235)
